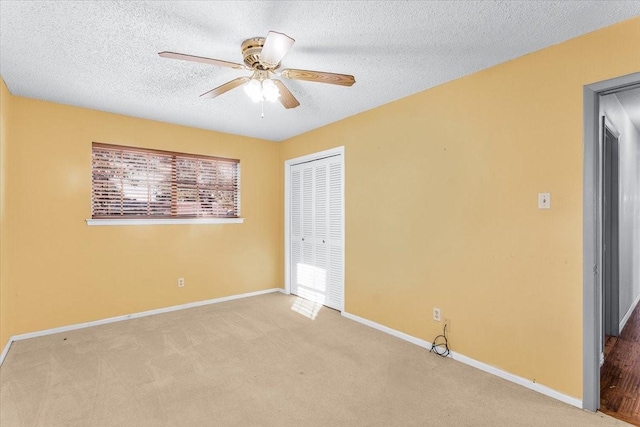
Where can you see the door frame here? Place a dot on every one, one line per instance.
(592, 234)
(287, 210)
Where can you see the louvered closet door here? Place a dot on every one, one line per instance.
(316, 215)
(335, 226)
(295, 227)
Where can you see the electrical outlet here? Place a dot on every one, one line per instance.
(447, 324)
(436, 314)
(181, 282)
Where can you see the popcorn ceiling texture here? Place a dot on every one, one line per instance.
(103, 54)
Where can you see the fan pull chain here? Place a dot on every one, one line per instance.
(262, 116)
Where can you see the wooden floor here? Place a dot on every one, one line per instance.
(620, 374)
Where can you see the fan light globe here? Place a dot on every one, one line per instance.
(270, 91)
(259, 91)
(254, 90)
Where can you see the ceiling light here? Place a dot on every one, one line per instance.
(262, 90)
(270, 91)
(254, 90)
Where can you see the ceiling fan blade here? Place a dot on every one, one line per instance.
(286, 97)
(319, 77)
(275, 47)
(203, 60)
(225, 87)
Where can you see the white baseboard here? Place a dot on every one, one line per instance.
(472, 362)
(543, 389)
(5, 351)
(626, 317)
(127, 317)
(395, 333)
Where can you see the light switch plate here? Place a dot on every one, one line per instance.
(544, 200)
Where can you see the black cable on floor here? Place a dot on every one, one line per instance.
(441, 348)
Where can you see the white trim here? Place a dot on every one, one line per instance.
(531, 385)
(472, 362)
(130, 316)
(316, 156)
(626, 317)
(413, 340)
(166, 221)
(6, 350)
(337, 151)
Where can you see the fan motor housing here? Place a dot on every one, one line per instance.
(251, 49)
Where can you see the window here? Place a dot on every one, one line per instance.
(136, 183)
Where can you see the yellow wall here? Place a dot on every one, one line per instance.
(65, 272)
(441, 206)
(5, 322)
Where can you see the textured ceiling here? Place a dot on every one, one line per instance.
(103, 54)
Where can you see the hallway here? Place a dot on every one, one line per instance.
(620, 374)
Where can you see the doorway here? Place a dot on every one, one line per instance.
(605, 215)
(314, 227)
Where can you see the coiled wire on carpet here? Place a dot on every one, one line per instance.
(441, 348)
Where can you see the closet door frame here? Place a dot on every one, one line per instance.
(287, 211)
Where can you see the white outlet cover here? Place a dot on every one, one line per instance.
(544, 200)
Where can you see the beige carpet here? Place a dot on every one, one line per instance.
(257, 362)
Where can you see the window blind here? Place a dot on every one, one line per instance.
(130, 182)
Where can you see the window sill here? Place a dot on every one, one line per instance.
(165, 221)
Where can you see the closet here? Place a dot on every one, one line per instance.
(316, 230)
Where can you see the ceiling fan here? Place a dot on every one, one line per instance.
(262, 56)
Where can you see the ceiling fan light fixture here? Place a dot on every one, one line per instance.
(254, 90)
(264, 90)
(270, 91)
(263, 56)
